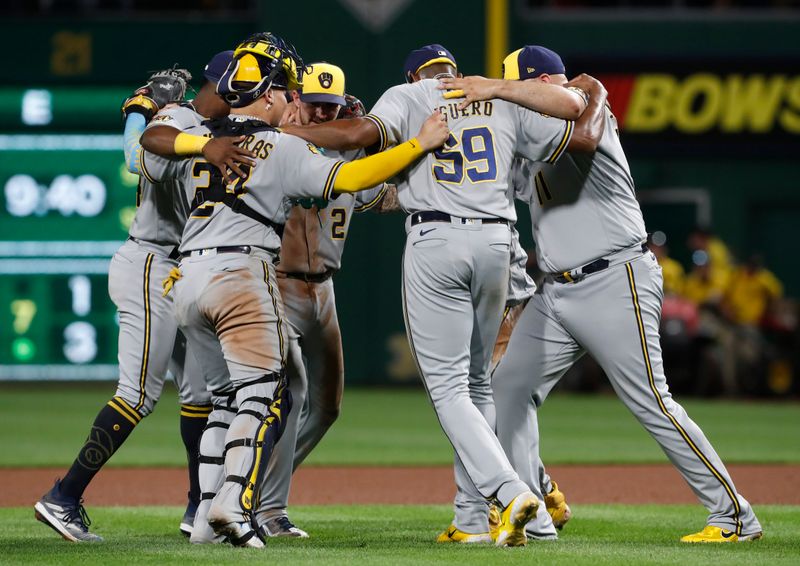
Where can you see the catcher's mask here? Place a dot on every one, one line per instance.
(260, 62)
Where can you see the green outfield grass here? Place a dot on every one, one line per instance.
(44, 425)
(600, 535)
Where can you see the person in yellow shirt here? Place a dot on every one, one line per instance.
(705, 284)
(750, 291)
(719, 256)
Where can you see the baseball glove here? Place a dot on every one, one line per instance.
(354, 108)
(162, 88)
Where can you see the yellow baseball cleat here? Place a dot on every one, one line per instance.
(452, 534)
(716, 534)
(511, 530)
(557, 507)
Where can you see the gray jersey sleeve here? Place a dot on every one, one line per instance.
(180, 117)
(157, 169)
(303, 170)
(365, 200)
(390, 115)
(540, 137)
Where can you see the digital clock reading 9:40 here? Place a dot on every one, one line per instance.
(84, 195)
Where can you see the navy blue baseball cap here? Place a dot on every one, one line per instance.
(530, 62)
(216, 67)
(424, 57)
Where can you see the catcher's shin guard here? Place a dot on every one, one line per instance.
(211, 471)
(259, 422)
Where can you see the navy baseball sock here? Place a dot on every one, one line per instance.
(192, 426)
(109, 431)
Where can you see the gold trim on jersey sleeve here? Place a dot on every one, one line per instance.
(328, 188)
(381, 129)
(564, 142)
(373, 202)
(143, 168)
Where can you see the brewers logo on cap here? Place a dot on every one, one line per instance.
(325, 80)
(329, 86)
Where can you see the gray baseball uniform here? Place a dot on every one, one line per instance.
(456, 269)
(147, 322)
(311, 253)
(228, 300)
(603, 297)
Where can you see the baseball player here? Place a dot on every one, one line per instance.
(603, 296)
(311, 253)
(456, 261)
(226, 292)
(147, 323)
(520, 288)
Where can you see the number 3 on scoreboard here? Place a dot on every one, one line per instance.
(473, 154)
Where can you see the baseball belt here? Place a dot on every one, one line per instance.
(222, 250)
(436, 216)
(575, 275)
(309, 277)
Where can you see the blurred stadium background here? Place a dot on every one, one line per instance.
(707, 94)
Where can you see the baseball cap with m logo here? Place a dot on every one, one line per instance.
(323, 83)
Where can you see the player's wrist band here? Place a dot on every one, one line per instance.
(187, 144)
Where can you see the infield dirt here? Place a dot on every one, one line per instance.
(631, 484)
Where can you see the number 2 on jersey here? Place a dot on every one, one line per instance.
(473, 154)
(339, 217)
(207, 175)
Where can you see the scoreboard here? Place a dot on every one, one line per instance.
(66, 202)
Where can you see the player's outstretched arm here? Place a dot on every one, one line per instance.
(134, 126)
(367, 172)
(162, 88)
(547, 98)
(223, 152)
(340, 135)
(590, 126)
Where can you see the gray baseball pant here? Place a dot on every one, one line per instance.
(614, 315)
(316, 380)
(455, 280)
(229, 305)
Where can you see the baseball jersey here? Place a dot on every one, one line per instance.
(584, 207)
(470, 175)
(161, 209)
(285, 166)
(316, 230)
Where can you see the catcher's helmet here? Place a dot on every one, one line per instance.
(260, 62)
